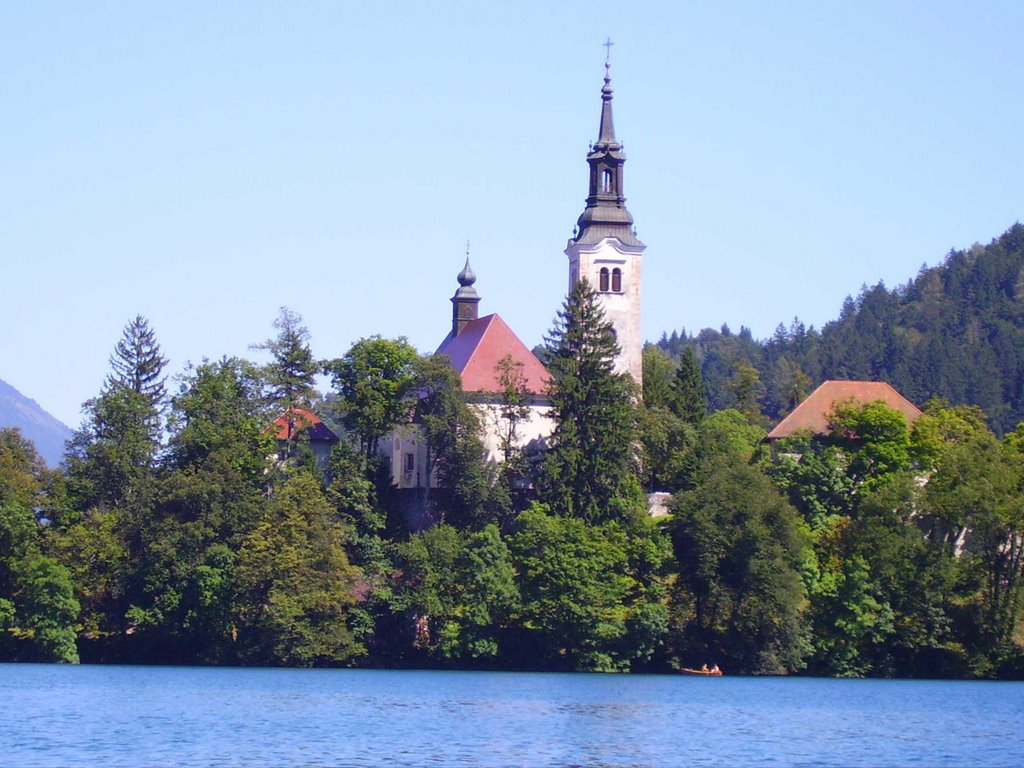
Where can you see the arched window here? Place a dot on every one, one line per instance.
(604, 279)
(617, 280)
(606, 181)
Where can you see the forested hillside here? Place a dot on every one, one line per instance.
(956, 331)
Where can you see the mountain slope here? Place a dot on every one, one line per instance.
(37, 425)
(955, 331)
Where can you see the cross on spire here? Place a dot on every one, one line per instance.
(608, 48)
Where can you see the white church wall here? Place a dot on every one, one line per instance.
(537, 427)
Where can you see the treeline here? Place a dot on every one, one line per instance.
(956, 331)
(180, 531)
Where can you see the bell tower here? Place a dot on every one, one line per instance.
(604, 248)
(465, 300)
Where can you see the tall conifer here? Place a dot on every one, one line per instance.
(689, 401)
(590, 470)
(293, 370)
(138, 364)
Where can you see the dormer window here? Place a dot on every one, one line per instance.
(603, 284)
(606, 180)
(617, 280)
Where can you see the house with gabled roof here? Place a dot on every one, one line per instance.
(812, 415)
(476, 346)
(301, 424)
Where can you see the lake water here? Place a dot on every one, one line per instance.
(133, 716)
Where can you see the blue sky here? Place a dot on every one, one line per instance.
(204, 164)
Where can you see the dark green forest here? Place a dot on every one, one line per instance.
(180, 531)
(956, 331)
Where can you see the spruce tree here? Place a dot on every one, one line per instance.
(689, 401)
(110, 458)
(292, 371)
(590, 469)
(138, 364)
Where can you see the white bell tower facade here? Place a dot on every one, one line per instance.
(605, 249)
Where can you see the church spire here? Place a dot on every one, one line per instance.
(604, 249)
(606, 134)
(605, 214)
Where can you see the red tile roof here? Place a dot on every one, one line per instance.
(295, 420)
(476, 351)
(813, 413)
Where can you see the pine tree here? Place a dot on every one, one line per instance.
(590, 469)
(137, 363)
(110, 458)
(293, 370)
(689, 401)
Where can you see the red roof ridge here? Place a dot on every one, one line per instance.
(813, 412)
(476, 351)
(284, 428)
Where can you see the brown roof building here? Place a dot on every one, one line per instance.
(474, 346)
(294, 420)
(481, 344)
(814, 412)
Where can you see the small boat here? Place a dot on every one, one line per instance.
(713, 672)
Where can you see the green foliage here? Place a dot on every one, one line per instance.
(666, 426)
(668, 443)
(747, 391)
(846, 612)
(37, 604)
(875, 436)
(914, 574)
(975, 498)
(176, 594)
(458, 592)
(739, 599)
(96, 555)
(293, 369)
(941, 427)
(591, 599)
(111, 457)
(903, 557)
(138, 364)
(688, 400)
(374, 380)
(294, 584)
(455, 450)
(45, 598)
(217, 412)
(590, 469)
(723, 433)
(658, 375)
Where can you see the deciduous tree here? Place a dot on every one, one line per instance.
(374, 380)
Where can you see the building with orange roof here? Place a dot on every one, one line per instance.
(301, 424)
(813, 414)
(475, 346)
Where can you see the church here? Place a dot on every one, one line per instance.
(604, 249)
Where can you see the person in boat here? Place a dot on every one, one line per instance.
(704, 668)
(714, 670)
